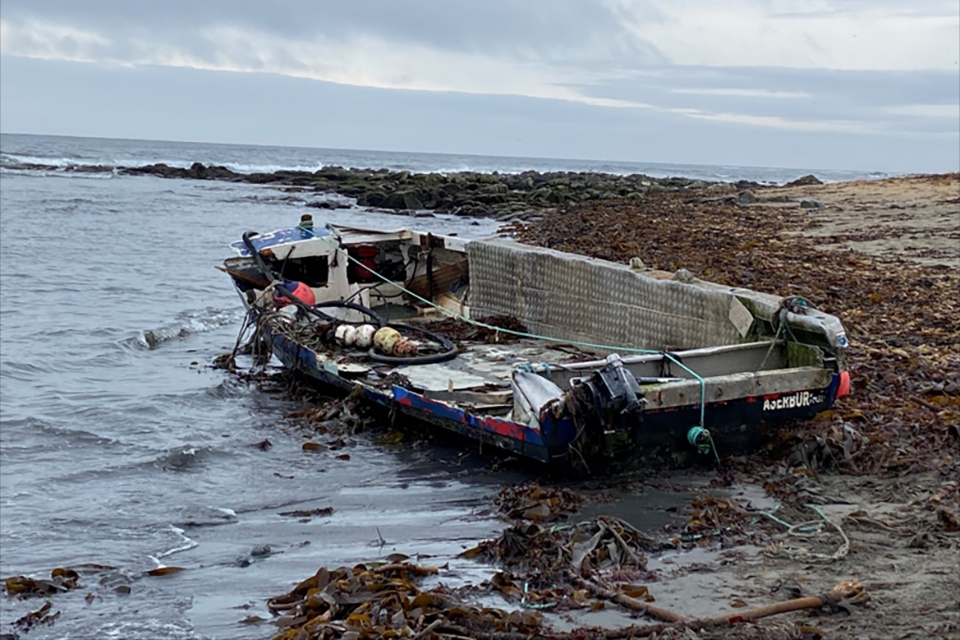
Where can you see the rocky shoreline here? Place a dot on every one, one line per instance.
(468, 193)
(463, 193)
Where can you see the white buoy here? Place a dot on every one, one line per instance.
(350, 335)
(365, 334)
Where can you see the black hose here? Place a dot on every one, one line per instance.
(377, 318)
(264, 268)
(449, 353)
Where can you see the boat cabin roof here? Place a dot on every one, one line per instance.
(299, 242)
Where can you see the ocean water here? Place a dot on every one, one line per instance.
(64, 153)
(130, 453)
(118, 454)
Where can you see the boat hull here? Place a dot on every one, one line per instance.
(659, 439)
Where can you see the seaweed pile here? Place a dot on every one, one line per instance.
(537, 503)
(379, 601)
(901, 317)
(458, 330)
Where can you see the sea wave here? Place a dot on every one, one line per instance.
(53, 172)
(188, 458)
(188, 324)
(32, 428)
(14, 162)
(300, 160)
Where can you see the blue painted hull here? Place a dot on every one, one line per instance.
(658, 440)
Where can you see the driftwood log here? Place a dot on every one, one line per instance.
(848, 591)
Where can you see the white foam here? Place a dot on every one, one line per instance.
(188, 543)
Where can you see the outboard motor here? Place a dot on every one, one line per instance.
(610, 408)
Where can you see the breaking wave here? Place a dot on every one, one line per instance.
(105, 165)
(186, 325)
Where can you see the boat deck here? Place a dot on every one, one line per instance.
(479, 378)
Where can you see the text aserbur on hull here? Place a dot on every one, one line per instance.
(558, 358)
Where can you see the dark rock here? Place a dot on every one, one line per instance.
(261, 178)
(372, 199)
(463, 193)
(216, 172)
(411, 200)
(403, 199)
(810, 204)
(746, 197)
(805, 181)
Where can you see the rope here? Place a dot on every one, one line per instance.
(693, 437)
(806, 530)
(792, 304)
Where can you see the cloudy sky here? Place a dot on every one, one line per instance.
(833, 84)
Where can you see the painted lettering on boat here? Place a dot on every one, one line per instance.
(796, 400)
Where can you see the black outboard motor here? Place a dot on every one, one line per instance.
(610, 408)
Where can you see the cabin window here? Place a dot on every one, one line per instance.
(313, 270)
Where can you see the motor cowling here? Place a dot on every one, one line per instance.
(610, 407)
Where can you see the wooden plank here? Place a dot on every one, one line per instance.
(260, 283)
(443, 278)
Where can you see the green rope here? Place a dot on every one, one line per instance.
(807, 527)
(523, 334)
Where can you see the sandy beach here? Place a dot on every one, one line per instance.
(914, 217)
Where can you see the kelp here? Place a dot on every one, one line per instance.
(61, 579)
(460, 331)
(42, 616)
(601, 543)
(383, 601)
(537, 503)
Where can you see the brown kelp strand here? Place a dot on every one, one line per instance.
(459, 331)
(383, 600)
(61, 579)
(537, 503)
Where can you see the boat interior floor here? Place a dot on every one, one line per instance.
(478, 378)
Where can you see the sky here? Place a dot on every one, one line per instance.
(867, 85)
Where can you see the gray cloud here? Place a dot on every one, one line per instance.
(543, 29)
(877, 100)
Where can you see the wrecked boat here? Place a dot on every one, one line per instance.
(553, 357)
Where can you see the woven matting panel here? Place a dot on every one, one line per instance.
(572, 297)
